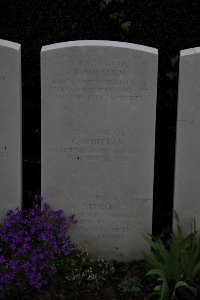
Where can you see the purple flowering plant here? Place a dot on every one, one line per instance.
(31, 242)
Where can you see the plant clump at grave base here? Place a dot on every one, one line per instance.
(36, 253)
(175, 264)
(31, 242)
(81, 270)
(38, 261)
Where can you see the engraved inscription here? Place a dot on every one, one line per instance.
(196, 213)
(97, 145)
(102, 217)
(97, 72)
(97, 81)
(3, 151)
(99, 63)
(98, 118)
(3, 80)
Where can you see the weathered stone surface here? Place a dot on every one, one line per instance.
(98, 128)
(187, 170)
(10, 126)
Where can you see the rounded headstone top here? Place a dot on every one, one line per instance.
(99, 43)
(190, 51)
(9, 44)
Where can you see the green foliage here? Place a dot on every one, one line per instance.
(175, 264)
(79, 269)
(117, 15)
(105, 3)
(174, 60)
(173, 73)
(117, 12)
(126, 25)
(130, 285)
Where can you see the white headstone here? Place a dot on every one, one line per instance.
(98, 129)
(187, 169)
(10, 126)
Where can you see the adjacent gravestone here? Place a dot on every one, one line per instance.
(187, 170)
(10, 126)
(98, 131)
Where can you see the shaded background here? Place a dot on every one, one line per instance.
(166, 25)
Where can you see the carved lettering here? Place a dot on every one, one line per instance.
(98, 145)
(3, 80)
(108, 84)
(3, 151)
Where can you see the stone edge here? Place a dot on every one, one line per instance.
(190, 51)
(9, 44)
(99, 43)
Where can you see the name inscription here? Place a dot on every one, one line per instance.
(98, 81)
(97, 145)
(103, 217)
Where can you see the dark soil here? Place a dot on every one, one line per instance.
(109, 290)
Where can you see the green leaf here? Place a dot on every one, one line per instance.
(152, 261)
(174, 60)
(126, 25)
(176, 263)
(185, 289)
(178, 225)
(102, 5)
(117, 15)
(107, 2)
(158, 247)
(195, 271)
(158, 289)
(171, 74)
(165, 292)
(157, 272)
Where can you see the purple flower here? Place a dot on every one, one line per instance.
(2, 260)
(46, 206)
(73, 219)
(31, 242)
